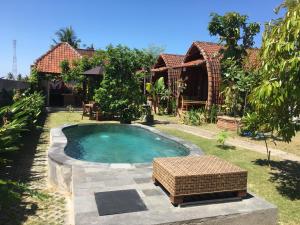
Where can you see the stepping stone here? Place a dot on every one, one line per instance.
(117, 202)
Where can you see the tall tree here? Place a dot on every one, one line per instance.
(67, 34)
(277, 98)
(236, 34)
(120, 91)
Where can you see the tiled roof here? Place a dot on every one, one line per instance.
(159, 69)
(98, 70)
(170, 60)
(50, 61)
(196, 62)
(210, 49)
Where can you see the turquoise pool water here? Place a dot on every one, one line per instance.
(114, 143)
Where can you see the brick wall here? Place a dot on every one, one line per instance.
(228, 123)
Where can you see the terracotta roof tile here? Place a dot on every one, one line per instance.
(196, 62)
(210, 49)
(169, 60)
(172, 60)
(50, 61)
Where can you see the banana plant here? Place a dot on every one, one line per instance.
(155, 90)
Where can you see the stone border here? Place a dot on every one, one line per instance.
(60, 165)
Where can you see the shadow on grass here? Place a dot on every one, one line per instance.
(226, 147)
(13, 210)
(286, 175)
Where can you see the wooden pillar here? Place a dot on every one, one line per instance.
(84, 88)
(48, 92)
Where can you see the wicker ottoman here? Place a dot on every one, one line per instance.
(196, 175)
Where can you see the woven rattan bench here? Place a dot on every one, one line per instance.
(197, 175)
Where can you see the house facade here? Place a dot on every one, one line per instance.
(48, 67)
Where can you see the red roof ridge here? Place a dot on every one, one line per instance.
(208, 43)
(171, 54)
(171, 59)
(56, 46)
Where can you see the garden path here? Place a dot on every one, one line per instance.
(233, 142)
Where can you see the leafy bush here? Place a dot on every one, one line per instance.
(197, 117)
(155, 91)
(222, 137)
(18, 118)
(194, 117)
(120, 94)
(212, 113)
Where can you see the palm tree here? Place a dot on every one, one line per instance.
(19, 77)
(10, 76)
(67, 34)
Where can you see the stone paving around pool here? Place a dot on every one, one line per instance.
(88, 180)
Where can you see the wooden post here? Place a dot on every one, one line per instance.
(48, 92)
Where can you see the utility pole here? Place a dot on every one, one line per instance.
(14, 65)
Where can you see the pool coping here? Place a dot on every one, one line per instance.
(60, 164)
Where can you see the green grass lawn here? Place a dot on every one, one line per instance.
(279, 184)
(291, 147)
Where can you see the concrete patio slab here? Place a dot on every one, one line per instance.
(86, 182)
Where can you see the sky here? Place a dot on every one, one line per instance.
(172, 24)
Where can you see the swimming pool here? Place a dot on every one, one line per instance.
(117, 143)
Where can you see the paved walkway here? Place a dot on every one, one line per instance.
(90, 182)
(234, 142)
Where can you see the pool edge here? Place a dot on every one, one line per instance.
(60, 165)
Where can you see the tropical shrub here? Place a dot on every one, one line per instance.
(194, 117)
(120, 93)
(17, 118)
(33, 79)
(212, 113)
(156, 90)
(222, 137)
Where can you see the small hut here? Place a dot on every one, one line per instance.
(92, 79)
(163, 68)
(48, 67)
(201, 72)
(199, 69)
